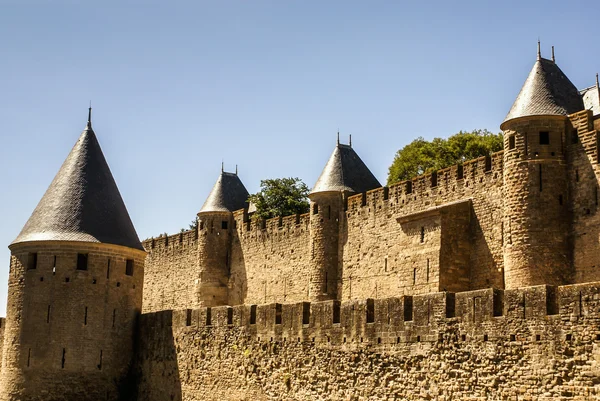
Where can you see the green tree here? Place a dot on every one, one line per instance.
(280, 197)
(421, 156)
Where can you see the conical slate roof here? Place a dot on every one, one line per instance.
(228, 195)
(345, 171)
(547, 91)
(82, 203)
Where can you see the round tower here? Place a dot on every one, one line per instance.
(75, 288)
(215, 228)
(344, 174)
(536, 218)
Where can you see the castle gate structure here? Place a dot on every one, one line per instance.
(476, 281)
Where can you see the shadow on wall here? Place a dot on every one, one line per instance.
(157, 369)
(238, 282)
(485, 272)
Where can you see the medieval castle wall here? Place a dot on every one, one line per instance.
(535, 343)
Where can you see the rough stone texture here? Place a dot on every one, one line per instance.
(69, 333)
(535, 343)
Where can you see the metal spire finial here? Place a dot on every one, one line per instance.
(553, 54)
(89, 121)
(338, 137)
(598, 89)
(222, 165)
(539, 51)
(350, 140)
(236, 169)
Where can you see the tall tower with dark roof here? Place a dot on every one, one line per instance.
(215, 230)
(344, 174)
(536, 214)
(75, 287)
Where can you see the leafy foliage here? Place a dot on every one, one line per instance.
(421, 156)
(280, 197)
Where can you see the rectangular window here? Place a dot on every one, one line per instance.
(85, 316)
(278, 312)
(230, 316)
(32, 261)
(544, 138)
(252, 314)
(129, 267)
(336, 311)
(208, 316)
(422, 234)
(305, 312)
(511, 142)
(540, 178)
(82, 261)
(370, 310)
(224, 225)
(315, 209)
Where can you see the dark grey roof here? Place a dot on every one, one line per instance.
(82, 203)
(345, 171)
(547, 91)
(228, 195)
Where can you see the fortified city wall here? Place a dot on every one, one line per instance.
(535, 343)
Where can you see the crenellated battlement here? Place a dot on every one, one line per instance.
(254, 228)
(164, 243)
(418, 318)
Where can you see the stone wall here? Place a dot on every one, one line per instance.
(536, 343)
(171, 274)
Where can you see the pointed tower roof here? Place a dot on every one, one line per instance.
(345, 171)
(227, 195)
(547, 91)
(83, 202)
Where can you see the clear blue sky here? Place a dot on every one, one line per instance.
(178, 86)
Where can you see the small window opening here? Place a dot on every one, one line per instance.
(511, 142)
(513, 337)
(85, 316)
(62, 362)
(224, 225)
(252, 314)
(485, 337)
(408, 309)
(201, 225)
(541, 178)
(336, 312)
(418, 339)
(427, 275)
(32, 259)
(463, 337)
(48, 314)
(114, 319)
(28, 357)
(569, 337)
(108, 270)
(560, 200)
(422, 234)
(208, 317)
(385, 264)
(538, 337)
(188, 317)
(67, 279)
(544, 138)
(229, 316)
(315, 208)
(82, 261)
(363, 199)
(370, 311)
(278, 310)
(328, 212)
(54, 262)
(326, 283)
(305, 312)
(129, 267)
(414, 276)
(576, 175)
(100, 361)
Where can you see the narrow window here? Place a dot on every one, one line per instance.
(385, 264)
(208, 316)
(85, 316)
(315, 208)
(540, 178)
(32, 261)
(278, 311)
(230, 316)
(28, 357)
(48, 314)
(188, 317)
(224, 225)
(511, 142)
(252, 314)
(336, 311)
(576, 175)
(363, 201)
(62, 362)
(414, 276)
(422, 234)
(100, 361)
(544, 138)
(305, 312)
(82, 261)
(201, 225)
(129, 267)
(408, 309)
(108, 270)
(427, 277)
(248, 225)
(326, 282)
(560, 200)
(114, 318)
(370, 310)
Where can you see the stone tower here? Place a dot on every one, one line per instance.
(75, 288)
(536, 218)
(215, 230)
(344, 174)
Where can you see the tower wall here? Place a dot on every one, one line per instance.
(536, 222)
(326, 211)
(70, 332)
(214, 246)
